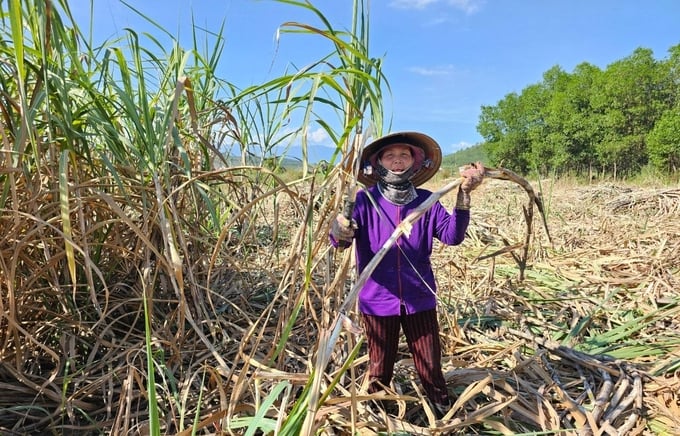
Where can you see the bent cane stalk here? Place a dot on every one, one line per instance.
(528, 211)
(330, 337)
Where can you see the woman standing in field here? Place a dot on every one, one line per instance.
(401, 292)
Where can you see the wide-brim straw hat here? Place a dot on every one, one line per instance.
(427, 156)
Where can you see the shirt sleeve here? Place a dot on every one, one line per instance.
(450, 228)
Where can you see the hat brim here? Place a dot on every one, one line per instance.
(429, 162)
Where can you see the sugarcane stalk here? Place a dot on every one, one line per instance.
(331, 336)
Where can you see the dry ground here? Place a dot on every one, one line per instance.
(589, 339)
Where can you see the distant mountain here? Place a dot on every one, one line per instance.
(315, 153)
(286, 162)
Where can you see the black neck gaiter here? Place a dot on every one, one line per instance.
(397, 188)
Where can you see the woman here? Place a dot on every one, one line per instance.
(401, 292)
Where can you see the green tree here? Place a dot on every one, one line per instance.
(663, 142)
(563, 140)
(504, 128)
(631, 96)
(670, 73)
(582, 130)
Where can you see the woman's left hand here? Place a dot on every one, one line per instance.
(473, 175)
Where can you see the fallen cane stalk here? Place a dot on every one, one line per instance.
(631, 420)
(329, 338)
(594, 362)
(603, 396)
(616, 402)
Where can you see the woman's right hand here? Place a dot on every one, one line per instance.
(342, 229)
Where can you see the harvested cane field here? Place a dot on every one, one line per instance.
(575, 333)
(589, 338)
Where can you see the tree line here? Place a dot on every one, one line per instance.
(612, 122)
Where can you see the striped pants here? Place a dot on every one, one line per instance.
(422, 335)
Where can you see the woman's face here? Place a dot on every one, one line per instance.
(396, 158)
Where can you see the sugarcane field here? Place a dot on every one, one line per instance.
(168, 266)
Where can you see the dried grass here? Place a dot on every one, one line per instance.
(585, 344)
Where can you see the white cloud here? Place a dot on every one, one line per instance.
(444, 70)
(318, 136)
(411, 4)
(438, 20)
(467, 6)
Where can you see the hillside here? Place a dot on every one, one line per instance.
(466, 155)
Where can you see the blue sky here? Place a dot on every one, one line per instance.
(444, 59)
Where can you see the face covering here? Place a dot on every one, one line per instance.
(397, 188)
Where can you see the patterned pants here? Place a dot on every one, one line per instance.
(422, 335)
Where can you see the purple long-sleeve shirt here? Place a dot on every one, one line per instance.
(404, 276)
